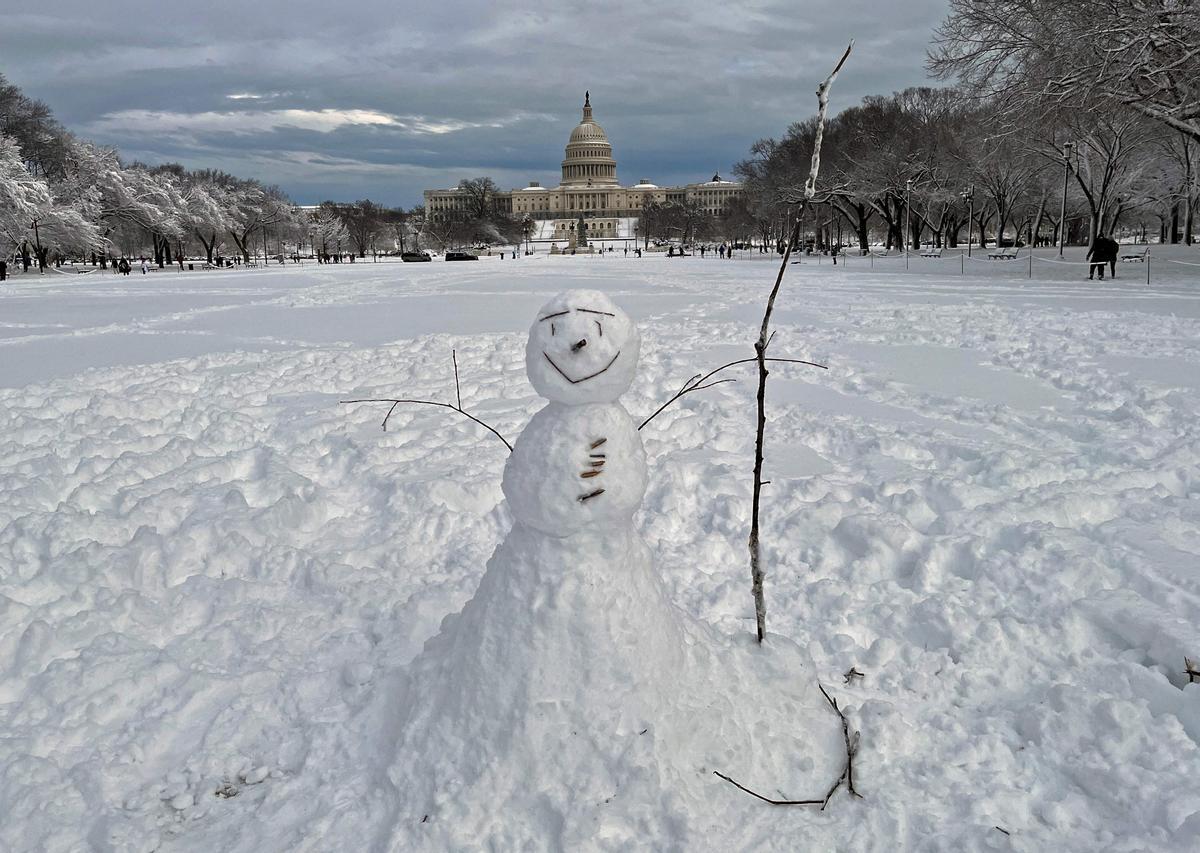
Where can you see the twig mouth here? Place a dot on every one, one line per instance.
(563, 374)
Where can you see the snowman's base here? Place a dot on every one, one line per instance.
(571, 706)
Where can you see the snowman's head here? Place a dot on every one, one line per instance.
(582, 349)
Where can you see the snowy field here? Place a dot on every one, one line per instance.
(210, 571)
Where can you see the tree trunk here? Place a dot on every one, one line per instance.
(1035, 230)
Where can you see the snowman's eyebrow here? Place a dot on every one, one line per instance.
(559, 314)
(591, 311)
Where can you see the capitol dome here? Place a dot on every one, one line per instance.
(589, 160)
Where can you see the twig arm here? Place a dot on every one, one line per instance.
(454, 407)
(449, 406)
(697, 382)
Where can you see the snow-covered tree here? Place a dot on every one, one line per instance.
(26, 199)
(253, 208)
(1029, 54)
(328, 232)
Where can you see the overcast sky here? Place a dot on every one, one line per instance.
(382, 99)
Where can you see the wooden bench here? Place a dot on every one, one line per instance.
(931, 252)
(1135, 257)
(1003, 255)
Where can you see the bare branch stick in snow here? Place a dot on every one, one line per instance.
(846, 778)
(697, 382)
(851, 750)
(742, 787)
(451, 406)
(764, 340)
(457, 387)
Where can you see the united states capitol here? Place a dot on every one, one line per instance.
(589, 189)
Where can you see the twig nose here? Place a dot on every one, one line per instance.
(578, 345)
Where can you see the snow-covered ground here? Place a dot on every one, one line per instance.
(210, 571)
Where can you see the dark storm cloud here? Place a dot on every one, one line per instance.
(383, 99)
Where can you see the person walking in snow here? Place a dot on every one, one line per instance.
(1102, 253)
(1114, 250)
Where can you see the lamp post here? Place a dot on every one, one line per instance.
(969, 197)
(907, 212)
(37, 241)
(1062, 219)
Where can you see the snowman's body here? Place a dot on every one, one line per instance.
(569, 679)
(543, 479)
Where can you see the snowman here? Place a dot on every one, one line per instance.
(570, 704)
(579, 466)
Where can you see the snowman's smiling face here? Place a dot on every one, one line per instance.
(582, 349)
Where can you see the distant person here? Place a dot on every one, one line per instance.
(143, 266)
(3, 269)
(1102, 253)
(124, 267)
(1114, 250)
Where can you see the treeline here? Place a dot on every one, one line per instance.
(1036, 104)
(63, 197)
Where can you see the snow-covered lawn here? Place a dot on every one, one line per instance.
(211, 572)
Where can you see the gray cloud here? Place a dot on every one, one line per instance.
(381, 99)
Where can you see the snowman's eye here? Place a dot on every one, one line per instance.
(601, 328)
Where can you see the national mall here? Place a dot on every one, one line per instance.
(589, 188)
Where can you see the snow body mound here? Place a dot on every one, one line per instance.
(570, 704)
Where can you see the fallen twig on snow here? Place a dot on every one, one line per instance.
(846, 777)
(451, 406)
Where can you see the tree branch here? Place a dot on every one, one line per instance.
(451, 406)
(760, 349)
(846, 778)
(696, 383)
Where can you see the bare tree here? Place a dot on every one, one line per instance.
(364, 221)
(480, 197)
(1140, 54)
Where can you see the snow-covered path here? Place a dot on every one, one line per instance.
(210, 571)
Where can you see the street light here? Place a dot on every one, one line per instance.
(968, 196)
(907, 211)
(37, 240)
(1062, 219)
